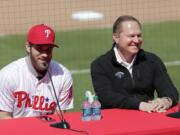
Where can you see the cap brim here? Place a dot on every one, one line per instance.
(50, 44)
(55, 45)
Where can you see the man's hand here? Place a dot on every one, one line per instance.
(161, 104)
(146, 106)
(5, 115)
(157, 105)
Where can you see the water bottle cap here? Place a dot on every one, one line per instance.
(95, 97)
(86, 97)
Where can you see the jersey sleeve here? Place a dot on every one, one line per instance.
(66, 93)
(7, 86)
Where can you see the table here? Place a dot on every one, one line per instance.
(114, 122)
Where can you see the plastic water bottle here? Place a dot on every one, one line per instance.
(86, 110)
(96, 109)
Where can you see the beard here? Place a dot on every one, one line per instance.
(44, 66)
(41, 66)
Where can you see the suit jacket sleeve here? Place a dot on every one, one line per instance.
(163, 84)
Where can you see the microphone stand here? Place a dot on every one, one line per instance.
(63, 124)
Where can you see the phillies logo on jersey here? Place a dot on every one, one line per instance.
(35, 102)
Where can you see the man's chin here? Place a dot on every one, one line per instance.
(44, 67)
(135, 50)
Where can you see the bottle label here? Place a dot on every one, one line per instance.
(87, 112)
(96, 111)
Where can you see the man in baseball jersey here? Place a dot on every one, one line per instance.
(26, 87)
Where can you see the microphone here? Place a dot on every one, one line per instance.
(63, 124)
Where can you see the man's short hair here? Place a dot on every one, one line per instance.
(117, 26)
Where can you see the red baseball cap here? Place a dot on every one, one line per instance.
(41, 34)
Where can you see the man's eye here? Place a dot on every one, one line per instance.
(139, 35)
(131, 36)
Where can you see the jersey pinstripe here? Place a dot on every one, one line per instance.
(24, 95)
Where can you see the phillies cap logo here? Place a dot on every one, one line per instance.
(47, 32)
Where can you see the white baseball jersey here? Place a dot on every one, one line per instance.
(22, 94)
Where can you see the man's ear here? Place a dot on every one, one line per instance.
(115, 37)
(27, 46)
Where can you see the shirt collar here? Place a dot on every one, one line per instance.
(121, 61)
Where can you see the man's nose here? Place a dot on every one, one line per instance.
(45, 54)
(136, 39)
